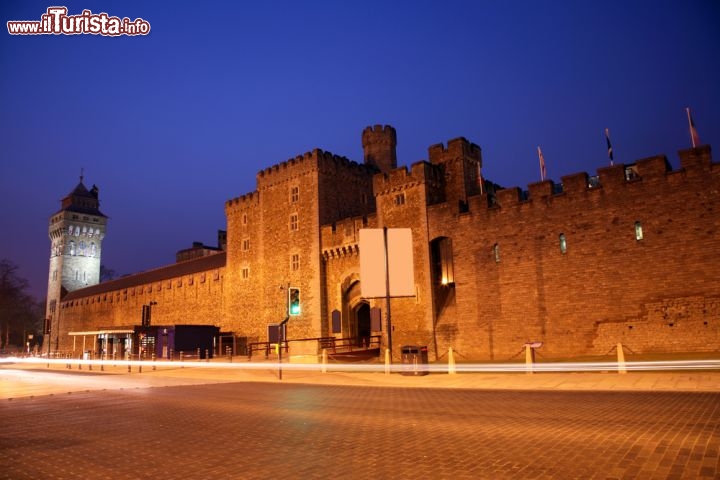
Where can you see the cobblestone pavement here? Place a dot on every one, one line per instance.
(302, 431)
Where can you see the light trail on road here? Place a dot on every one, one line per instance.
(663, 365)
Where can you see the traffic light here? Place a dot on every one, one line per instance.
(293, 301)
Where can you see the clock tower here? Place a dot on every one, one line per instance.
(76, 233)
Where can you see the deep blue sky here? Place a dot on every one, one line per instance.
(173, 124)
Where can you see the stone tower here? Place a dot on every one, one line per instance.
(379, 144)
(76, 232)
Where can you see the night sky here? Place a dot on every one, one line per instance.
(171, 125)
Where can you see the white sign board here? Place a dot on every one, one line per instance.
(373, 276)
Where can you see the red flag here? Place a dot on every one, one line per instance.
(543, 170)
(694, 137)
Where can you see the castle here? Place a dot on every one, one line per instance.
(629, 255)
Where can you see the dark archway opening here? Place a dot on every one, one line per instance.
(362, 316)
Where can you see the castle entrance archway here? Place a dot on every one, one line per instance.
(361, 316)
(357, 312)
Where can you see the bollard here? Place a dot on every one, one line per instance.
(324, 361)
(451, 362)
(153, 360)
(207, 355)
(198, 354)
(387, 361)
(621, 359)
(529, 360)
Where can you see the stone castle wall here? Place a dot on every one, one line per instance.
(608, 286)
(511, 281)
(194, 298)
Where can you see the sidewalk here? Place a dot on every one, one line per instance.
(19, 380)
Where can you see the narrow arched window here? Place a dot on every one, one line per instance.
(563, 243)
(638, 231)
(93, 249)
(72, 247)
(496, 253)
(442, 261)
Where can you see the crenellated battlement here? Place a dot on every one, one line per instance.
(311, 161)
(400, 178)
(307, 160)
(379, 133)
(342, 237)
(612, 178)
(379, 142)
(331, 162)
(251, 199)
(458, 147)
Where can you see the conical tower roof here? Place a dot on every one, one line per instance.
(82, 200)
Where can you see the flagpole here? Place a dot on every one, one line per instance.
(693, 133)
(481, 179)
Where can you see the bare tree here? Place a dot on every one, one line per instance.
(106, 273)
(20, 314)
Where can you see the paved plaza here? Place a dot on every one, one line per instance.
(232, 423)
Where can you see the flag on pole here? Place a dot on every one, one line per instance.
(694, 137)
(609, 147)
(543, 170)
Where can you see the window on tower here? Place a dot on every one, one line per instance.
(93, 249)
(72, 247)
(638, 231)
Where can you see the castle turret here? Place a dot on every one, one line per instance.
(76, 233)
(461, 162)
(379, 144)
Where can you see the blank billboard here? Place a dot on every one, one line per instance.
(373, 276)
